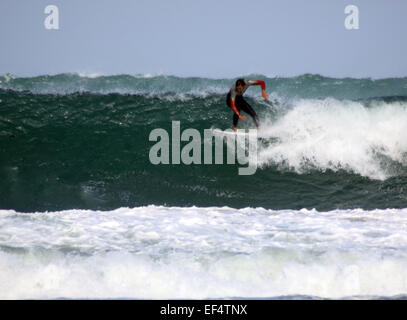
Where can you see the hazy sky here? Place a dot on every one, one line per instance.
(212, 38)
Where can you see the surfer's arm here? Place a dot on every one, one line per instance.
(258, 83)
(232, 105)
(263, 87)
(232, 101)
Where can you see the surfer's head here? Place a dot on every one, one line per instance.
(240, 83)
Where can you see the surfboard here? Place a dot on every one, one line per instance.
(242, 133)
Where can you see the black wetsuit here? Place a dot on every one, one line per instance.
(241, 104)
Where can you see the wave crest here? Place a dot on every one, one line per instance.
(339, 135)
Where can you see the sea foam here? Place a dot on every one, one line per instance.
(158, 252)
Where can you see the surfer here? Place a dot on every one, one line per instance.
(235, 100)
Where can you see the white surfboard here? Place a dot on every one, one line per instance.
(239, 132)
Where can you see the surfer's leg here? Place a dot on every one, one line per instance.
(248, 109)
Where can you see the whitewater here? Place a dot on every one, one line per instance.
(160, 252)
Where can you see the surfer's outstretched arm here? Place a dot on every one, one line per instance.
(263, 87)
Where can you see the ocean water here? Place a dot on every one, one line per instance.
(85, 214)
